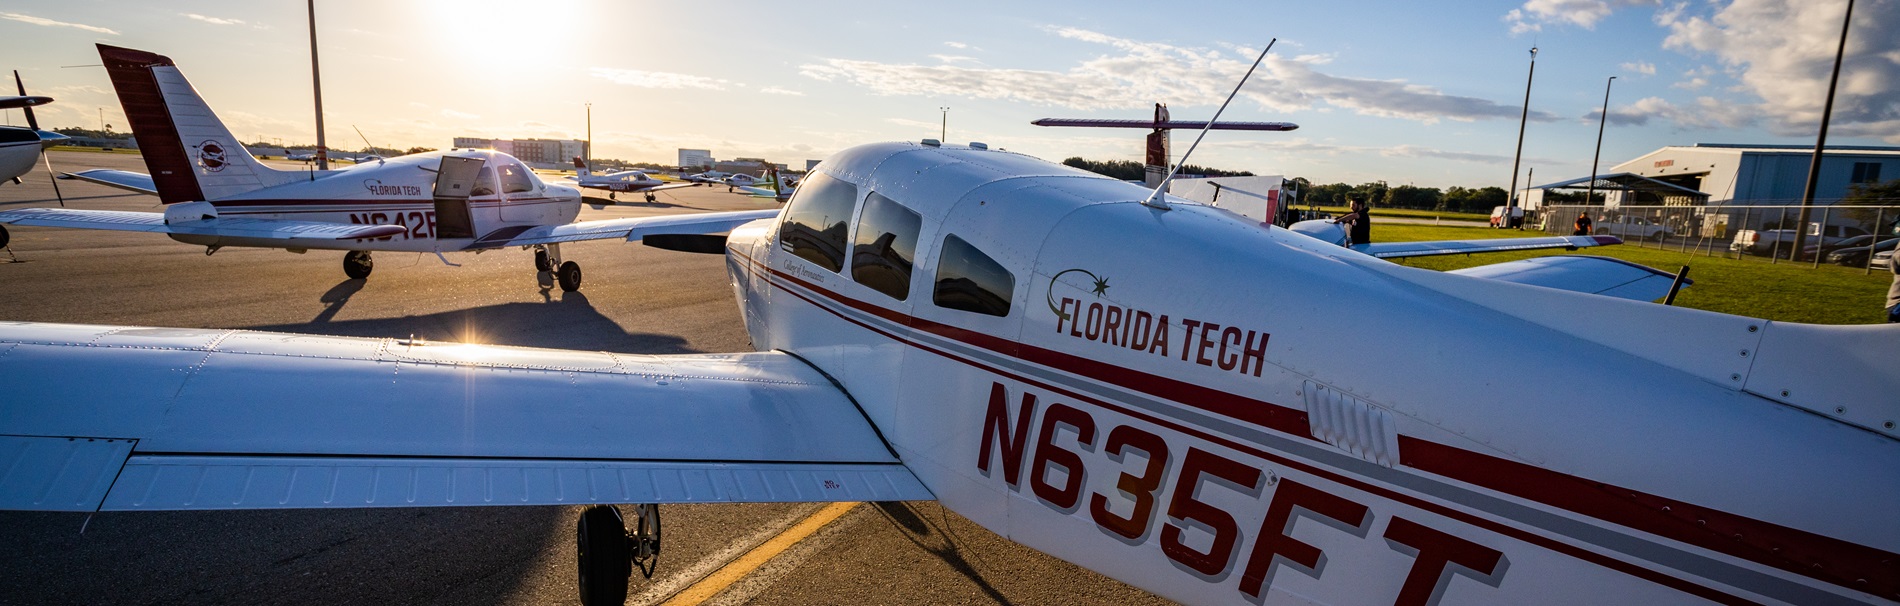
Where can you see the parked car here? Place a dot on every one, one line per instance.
(1853, 252)
(1882, 261)
(1763, 241)
(1633, 228)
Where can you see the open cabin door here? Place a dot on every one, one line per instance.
(453, 184)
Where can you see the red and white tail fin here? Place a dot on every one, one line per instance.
(190, 153)
(580, 167)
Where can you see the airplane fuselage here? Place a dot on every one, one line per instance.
(398, 191)
(1214, 411)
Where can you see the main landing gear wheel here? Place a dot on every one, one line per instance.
(541, 262)
(4, 237)
(357, 264)
(569, 276)
(607, 552)
(651, 199)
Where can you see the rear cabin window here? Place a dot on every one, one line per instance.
(886, 246)
(971, 281)
(816, 220)
(484, 184)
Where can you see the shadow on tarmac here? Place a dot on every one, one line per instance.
(569, 322)
(939, 543)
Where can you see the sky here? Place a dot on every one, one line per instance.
(1421, 93)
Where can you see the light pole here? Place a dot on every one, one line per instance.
(1605, 119)
(587, 153)
(1827, 113)
(316, 85)
(944, 133)
(1511, 198)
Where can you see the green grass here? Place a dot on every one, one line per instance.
(1787, 292)
(1413, 214)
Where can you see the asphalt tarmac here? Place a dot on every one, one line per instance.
(634, 299)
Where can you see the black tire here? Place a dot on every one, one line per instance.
(1658, 237)
(569, 276)
(541, 262)
(357, 264)
(4, 236)
(605, 563)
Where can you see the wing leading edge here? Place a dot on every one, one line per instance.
(210, 419)
(273, 229)
(1396, 250)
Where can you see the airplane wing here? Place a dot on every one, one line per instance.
(155, 222)
(122, 179)
(630, 229)
(1395, 250)
(198, 419)
(672, 185)
(1581, 273)
(757, 191)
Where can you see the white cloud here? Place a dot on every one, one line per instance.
(773, 90)
(51, 23)
(647, 79)
(1145, 72)
(449, 113)
(1642, 67)
(1535, 14)
(956, 59)
(1307, 147)
(956, 45)
(213, 20)
(1783, 52)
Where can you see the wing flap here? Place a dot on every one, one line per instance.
(235, 419)
(122, 179)
(203, 482)
(58, 473)
(1395, 250)
(273, 229)
(1581, 273)
(632, 229)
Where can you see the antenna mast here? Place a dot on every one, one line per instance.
(1155, 198)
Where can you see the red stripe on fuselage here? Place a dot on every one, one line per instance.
(1808, 554)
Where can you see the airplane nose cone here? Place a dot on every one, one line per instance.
(48, 138)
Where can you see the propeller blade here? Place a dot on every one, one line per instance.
(31, 122)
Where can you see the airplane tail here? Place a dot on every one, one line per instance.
(580, 167)
(191, 154)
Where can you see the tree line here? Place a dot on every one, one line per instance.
(1130, 170)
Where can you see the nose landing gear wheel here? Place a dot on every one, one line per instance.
(357, 264)
(569, 276)
(541, 262)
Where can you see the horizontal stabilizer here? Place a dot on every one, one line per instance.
(630, 229)
(1579, 273)
(1396, 250)
(122, 179)
(225, 419)
(1165, 124)
(271, 229)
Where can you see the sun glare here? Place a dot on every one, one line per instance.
(505, 33)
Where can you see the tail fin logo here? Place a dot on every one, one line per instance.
(211, 156)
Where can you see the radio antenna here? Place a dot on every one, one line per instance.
(1155, 198)
(372, 146)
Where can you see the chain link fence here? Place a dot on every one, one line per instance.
(1737, 230)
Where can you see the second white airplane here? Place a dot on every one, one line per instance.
(217, 195)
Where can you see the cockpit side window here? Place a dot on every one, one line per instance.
(971, 281)
(886, 246)
(484, 183)
(816, 220)
(515, 178)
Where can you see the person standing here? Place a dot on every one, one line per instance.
(1360, 219)
(1583, 224)
(1893, 292)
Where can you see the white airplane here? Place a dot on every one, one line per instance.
(776, 186)
(1167, 393)
(300, 157)
(21, 148)
(628, 181)
(217, 195)
(711, 176)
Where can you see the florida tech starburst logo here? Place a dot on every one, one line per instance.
(211, 156)
(1099, 288)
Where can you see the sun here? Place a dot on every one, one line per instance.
(498, 33)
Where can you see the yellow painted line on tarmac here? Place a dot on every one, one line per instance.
(737, 569)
